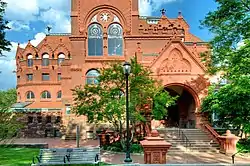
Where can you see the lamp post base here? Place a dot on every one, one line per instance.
(128, 160)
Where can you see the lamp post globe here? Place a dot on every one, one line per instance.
(127, 70)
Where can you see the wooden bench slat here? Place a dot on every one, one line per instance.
(86, 155)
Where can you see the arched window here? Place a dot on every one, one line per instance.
(91, 76)
(45, 60)
(59, 94)
(30, 60)
(61, 58)
(30, 95)
(95, 40)
(45, 95)
(115, 39)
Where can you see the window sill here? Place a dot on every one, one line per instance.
(29, 100)
(103, 58)
(46, 100)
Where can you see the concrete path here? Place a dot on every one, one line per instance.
(117, 158)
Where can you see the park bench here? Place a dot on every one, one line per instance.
(51, 157)
(67, 156)
(84, 156)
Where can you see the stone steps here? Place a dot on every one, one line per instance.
(199, 140)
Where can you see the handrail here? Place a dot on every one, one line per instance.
(184, 138)
(139, 126)
(213, 132)
(241, 150)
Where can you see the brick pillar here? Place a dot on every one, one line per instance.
(228, 143)
(155, 149)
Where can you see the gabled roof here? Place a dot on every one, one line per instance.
(169, 43)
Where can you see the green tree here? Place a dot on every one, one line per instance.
(231, 103)
(230, 24)
(7, 98)
(9, 124)
(4, 44)
(105, 101)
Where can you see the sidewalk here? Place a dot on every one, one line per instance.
(117, 158)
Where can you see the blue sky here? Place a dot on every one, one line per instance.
(28, 20)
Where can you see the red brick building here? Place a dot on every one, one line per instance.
(106, 31)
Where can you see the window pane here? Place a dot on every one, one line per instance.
(99, 47)
(45, 62)
(29, 77)
(59, 76)
(59, 94)
(30, 62)
(30, 95)
(60, 60)
(115, 40)
(45, 77)
(46, 95)
(91, 77)
(95, 40)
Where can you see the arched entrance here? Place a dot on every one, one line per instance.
(183, 113)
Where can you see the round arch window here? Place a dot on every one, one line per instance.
(95, 40)
(30, 95)
(30, 60)
(61, 58)
(92, 77)
(45, 61)
(45, 95)
(115, 39)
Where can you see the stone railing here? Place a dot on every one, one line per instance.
(212, 132)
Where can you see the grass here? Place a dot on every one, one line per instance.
(21, 156)
(17, 156)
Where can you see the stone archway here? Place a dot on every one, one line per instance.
(183, 113)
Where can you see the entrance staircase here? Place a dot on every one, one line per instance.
(188, 140)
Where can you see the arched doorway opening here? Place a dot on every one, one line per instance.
(183, 113)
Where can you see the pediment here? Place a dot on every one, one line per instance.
(175, 58)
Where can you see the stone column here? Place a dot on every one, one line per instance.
(228, 143)
(155, 149)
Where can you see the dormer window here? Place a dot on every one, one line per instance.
(61, 58)
(45, 61)
(30, 60)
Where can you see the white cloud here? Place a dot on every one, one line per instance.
(38, 38)
(17, 26)
(24, 10)
(58, 21)
(54, 12)
(147, 7)
(8, 63)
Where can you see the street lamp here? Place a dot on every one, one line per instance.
(126, 70)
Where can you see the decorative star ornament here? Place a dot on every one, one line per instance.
(104, 17)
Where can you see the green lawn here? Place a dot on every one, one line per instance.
(20, 156)
(17, 156)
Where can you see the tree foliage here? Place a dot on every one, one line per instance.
(9, 124)
(230, 24)
(105, 101)
(231, 103)
(4, 44)
(7, 98)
